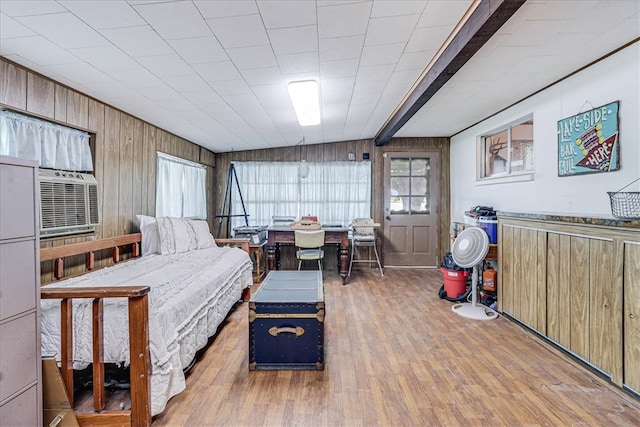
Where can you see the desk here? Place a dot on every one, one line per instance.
(332, 235)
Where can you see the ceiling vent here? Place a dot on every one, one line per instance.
(68, 203)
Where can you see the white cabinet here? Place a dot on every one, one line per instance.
(20, 361)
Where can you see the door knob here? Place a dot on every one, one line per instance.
(388, 218)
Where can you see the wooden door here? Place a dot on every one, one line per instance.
(632, 315)
(411, 195)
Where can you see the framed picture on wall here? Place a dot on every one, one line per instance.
(588, 142)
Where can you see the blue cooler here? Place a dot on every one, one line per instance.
(490, 225)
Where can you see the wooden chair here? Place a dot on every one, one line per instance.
(309, 246)
(364, 235)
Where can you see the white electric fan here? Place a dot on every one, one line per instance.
(468, 250)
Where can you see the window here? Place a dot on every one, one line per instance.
(53, 146)
(335, 192)
(410, 186)
(180, 188)
(508, 150)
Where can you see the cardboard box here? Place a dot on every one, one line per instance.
(57, 411)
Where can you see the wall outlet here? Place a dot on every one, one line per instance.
(365, 156)
(352, 156)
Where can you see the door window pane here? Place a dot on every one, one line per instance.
(418, 186)
(399, 167)
(400, 186)
(419, 166)
(419, 205)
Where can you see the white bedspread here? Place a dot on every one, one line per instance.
(191, 294)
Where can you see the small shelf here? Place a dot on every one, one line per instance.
(493, 252)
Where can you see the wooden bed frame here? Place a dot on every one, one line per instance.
(140, 367)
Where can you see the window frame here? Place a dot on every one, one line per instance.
(508, 175)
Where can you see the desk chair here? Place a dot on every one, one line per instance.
(364, 235)
(309, 246)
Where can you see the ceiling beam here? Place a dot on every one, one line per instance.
(481, 25)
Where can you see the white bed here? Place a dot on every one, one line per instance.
(191, 294)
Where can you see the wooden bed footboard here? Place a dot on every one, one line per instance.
(140, 364)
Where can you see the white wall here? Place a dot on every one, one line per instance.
(615, 78)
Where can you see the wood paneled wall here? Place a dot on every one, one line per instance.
(339, 151)
(123, 146)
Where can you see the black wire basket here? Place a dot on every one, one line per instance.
(625, 204)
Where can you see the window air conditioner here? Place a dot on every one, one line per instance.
(68, 203)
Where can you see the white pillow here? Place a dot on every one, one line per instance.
(179, 235)
(202, 237)
(174, 235)
(150, 236)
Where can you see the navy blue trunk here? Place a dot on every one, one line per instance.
(286, 322)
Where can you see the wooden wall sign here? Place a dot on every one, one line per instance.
(588, 142)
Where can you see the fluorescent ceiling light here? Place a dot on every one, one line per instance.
(306, 101)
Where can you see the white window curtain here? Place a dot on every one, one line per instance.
(335, 192)
(180, 188)
(52, 146)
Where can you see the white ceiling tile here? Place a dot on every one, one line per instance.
(262, 76)
(403, 78)
(299, 63)
(230, 88)
(375, 73)
(343, 68)
(252, 57)
(294, 40)
(394, 29)
(343, 20)
(165, 65)
(217, 71)
(226, 8)
(138, 41)
(287, 13)
(427, 38)
(9, 28)
(139, 77)
(106, 58)
(226, 30)
(381, 54)
(383, 8)
(414, 60)
(64, 29)
(81, 73)
(367, 92)
(101, 14)
(177, 105)
(444, 12)
(160, 93)
(215, 109)
(116, 91)
(273, 96)
(335, 91)
(199, 50)
(203, 97)
(175, 20)
(29, 8)
(186, 83)
(39, 50)
(339, 48)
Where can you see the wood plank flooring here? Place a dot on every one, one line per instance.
(396, 355)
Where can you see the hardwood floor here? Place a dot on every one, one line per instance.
(397, 355)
